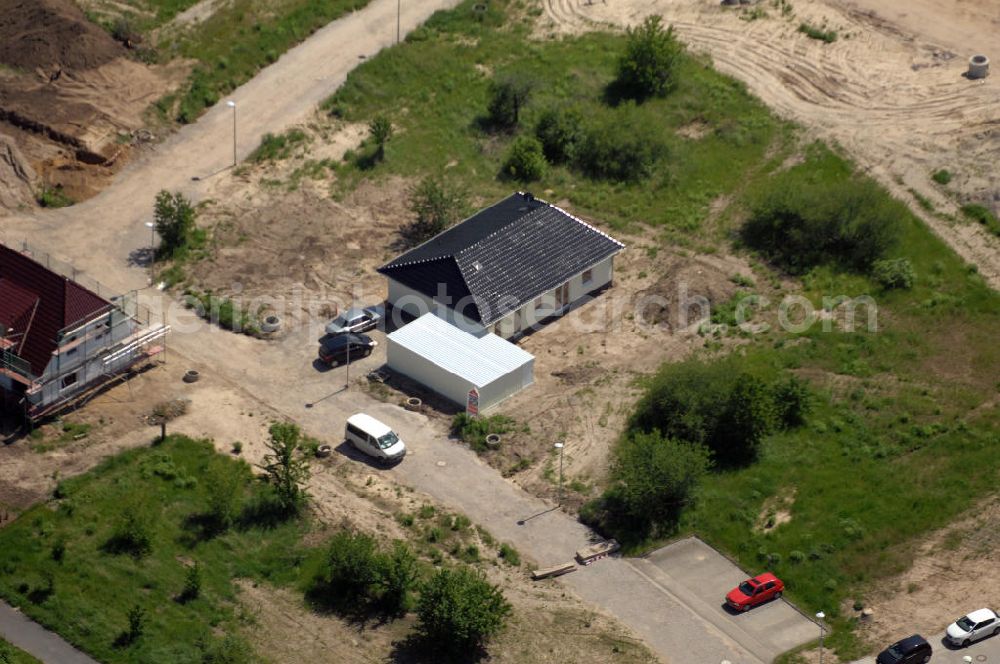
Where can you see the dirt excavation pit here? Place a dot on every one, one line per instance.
(71, 98)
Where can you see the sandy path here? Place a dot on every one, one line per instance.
(110, 225)
(897, 102)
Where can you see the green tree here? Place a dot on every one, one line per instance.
(351, 570)
(132, 532)
(397, 577)
(648, 68)
(748, 414)
(654, 478)
(174, 218)
(525, 160)
(459, 610)
(286, 470)
(508, 96)
(793, 401)
(560, 131)
(436, 207)
(380, 130)
(621, 147)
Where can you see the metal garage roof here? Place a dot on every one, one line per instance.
(480, 360)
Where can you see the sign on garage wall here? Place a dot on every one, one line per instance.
(472, 404)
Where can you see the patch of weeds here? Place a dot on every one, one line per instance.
(924, 202)
(509, 555)
(277, 146)
(811, 31)
(983, 215)
(53, 197)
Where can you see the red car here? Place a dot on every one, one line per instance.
(755, 591)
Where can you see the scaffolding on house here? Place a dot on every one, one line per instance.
(111, 342)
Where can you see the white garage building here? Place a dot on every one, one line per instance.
(452, 362)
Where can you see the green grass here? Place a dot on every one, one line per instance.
(85, 592)
(10, 654)
(436, 79)
(277, 146)
(942, 176)
(237, 41)
(224, 312)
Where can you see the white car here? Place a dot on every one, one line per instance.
(374, 438)
(977, 625)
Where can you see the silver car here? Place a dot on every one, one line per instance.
(354, 320)
(977, 625)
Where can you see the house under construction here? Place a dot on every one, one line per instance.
(60, 340)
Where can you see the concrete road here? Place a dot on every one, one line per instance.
(986, 651)
(36, 640)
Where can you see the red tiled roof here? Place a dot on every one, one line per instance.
(61, 302)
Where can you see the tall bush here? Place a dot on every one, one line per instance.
(459, 610)
(174, 218)
(560, 131)
(508, 96)
(648, 68)
(436, 206)
(621, 147)
(799, 223)
(525, 161)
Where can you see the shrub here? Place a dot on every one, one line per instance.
(717, 404)
(560, 131)
(136, 623)
(131, 534)
(350, 572)
(793, 401)
(380, 130)
(826, 36)
(174, 218)
(459, 610)
(653, 478)
(620, 148)
(508, 95)
(473, 430)
(796, 556)
(525, 160)
(648, 66)
(225, 481)
(894, 273)
(192, 583)
(436, 207)
(942, 176)
(800, 223)
(397, 577)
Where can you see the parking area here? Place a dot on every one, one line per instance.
(701, 577)
(983, 652)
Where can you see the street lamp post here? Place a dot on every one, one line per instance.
(820, 616)
(152, 248)
(559, 446)
(397, 20)
(232, 104)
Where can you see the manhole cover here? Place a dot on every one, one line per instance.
(442, 464)
(981, 658)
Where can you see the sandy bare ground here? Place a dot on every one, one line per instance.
(287, 92)
(890, 90)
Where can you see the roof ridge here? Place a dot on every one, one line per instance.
(584, 223)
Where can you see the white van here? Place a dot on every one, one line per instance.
(374, 438)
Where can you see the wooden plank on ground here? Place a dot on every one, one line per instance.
(555, 570)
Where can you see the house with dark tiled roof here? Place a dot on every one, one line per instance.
(59, 339)
(506, 269)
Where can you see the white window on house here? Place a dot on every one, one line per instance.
(588, 276)
(69, 380)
